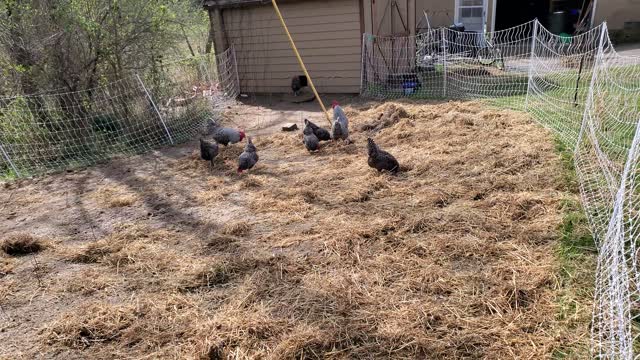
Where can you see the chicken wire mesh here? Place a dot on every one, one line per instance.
(607, 159)
(579, 88)
(445, 63)
(53, 131)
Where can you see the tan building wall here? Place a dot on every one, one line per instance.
(327, 34)
(617, 12)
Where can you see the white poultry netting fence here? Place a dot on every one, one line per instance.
(53, 131)
(580, 89)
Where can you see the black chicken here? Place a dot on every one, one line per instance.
(297, 83)
(248, 158)
(321, 133)
(208, 150)
(310, 139)
(380, 159)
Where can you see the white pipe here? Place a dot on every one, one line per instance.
(155, 108)
(6, 156)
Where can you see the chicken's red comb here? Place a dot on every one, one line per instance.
(334, 103)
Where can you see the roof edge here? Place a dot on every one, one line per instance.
(219, 4)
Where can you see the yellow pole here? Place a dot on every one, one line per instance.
(304, 68)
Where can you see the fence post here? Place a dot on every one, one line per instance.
(594, 77)
(444, 62)
(235, 69)
(155, 108)
(533, 54)
(6, 156)
(362, 64)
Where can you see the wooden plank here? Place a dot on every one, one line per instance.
(341, 62)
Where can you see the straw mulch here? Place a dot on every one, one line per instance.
(318, 256)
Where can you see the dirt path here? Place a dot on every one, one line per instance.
(310, 255)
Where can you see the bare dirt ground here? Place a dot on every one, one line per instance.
(307, 256)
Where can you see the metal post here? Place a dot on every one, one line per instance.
(155, 108)
(594, 77)
(593, 13)
(205, 66)
(362, 63)
(235, 69)
(6, 156)
(444, 62)
(533, 54)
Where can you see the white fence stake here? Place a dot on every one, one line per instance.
(235, 69)
(533, 54)
(156, 109)
(594, 77)
(6, 156)
(444, 63)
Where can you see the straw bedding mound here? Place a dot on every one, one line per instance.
(318, 256)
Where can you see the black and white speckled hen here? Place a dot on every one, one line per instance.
(340, 127)
(310, 139)
(380, 159)
(321, 133)
(223, 135)
(248, 158)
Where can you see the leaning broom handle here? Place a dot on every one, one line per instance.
(304, 68)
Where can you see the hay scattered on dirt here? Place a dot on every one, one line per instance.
(319, 256)
(114, 197)
(391, 114)
(237, 228)
(22, 244)
(6, 267)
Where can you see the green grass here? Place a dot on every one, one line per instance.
(576, 255)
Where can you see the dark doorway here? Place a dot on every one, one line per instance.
(556, 15)
(510, 13)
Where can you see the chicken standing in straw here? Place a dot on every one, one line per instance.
(222, 135)
(310, 139)
(208, 150)
(340, 126)
(321, 133)
(380, 159)
(248, 158)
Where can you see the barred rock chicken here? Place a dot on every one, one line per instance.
(340, 126)
(310, 139)
(248, 158)
(222, 135)
(321, 133)
(208, 150)
(380, 159)
(297, 83)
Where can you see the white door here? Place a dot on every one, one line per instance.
(471, 13)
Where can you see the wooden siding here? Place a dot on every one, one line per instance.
(327, 34)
